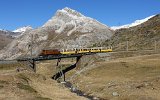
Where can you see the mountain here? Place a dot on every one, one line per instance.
(67, 29)
(5, 38)
(21, 30)
(75, 30)
(137, 22)
(140, 37)
(70, 21)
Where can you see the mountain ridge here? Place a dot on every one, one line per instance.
(135, 23)
(140, 37)
(23, 29)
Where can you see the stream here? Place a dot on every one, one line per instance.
(70, 86)
(73, 89)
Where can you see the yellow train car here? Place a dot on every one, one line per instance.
(86, 50)
(83, 50)
(68, 51)
(94, 50)
(106, 50)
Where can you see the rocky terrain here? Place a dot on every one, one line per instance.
(5, 38)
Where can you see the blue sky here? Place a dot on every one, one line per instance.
(18, 13)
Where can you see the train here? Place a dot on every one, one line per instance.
(75, 51)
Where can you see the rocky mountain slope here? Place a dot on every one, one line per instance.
(67, 29)
(77, 29)
(5, 38)
(140, 37)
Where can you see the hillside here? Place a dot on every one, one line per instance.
(129, 78)
(139, 37)
(27, 85)
(135, 23)
(5, 39)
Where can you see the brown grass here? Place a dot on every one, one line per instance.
(9, 65)
(26, 87)
(42, 98)
(3, 82)
(1, 86)
(132, 78)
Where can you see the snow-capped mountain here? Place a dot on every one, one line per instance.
(69, 20)
(76, 30)
(68, 29)
(23, 29)
(141, 37)
(137, 22)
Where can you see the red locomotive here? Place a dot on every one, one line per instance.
(49, 52)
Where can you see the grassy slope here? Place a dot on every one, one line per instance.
(139, 37)
(133, 78)
(26, 85)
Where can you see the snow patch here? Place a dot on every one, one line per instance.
(137, 22)
(23, 29)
